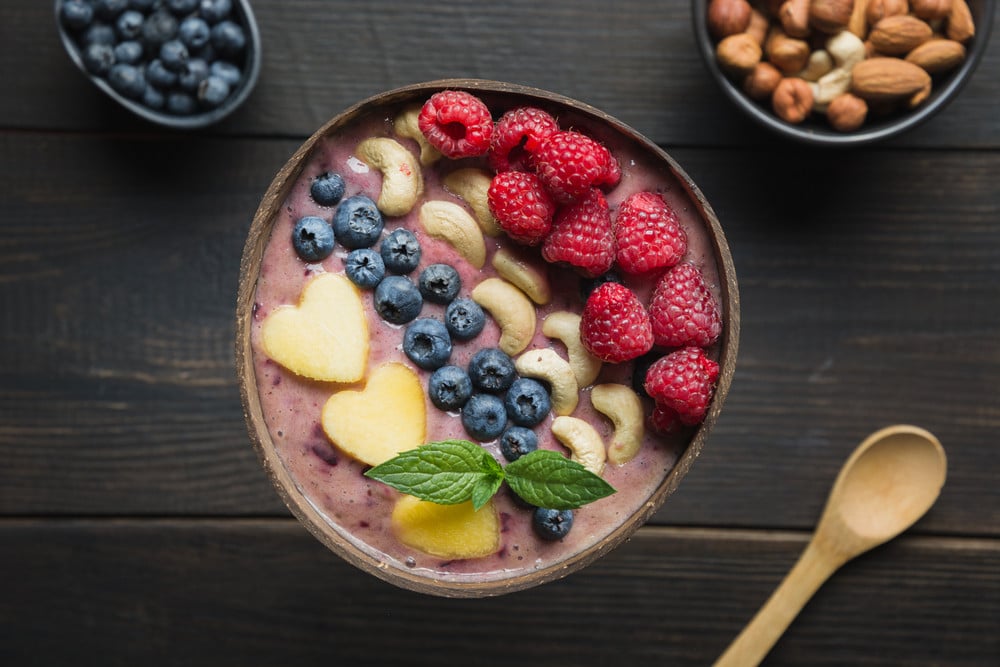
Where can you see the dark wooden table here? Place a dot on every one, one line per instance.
(137, 527)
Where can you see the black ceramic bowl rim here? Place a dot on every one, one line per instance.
(251, 72)
(815, 131)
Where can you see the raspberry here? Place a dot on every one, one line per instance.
(647, 236)
(456, 123)
(521, 205)
(581, 236)
(614, 326)
(664, 420)
(516, 137)
(570, 163)
(684, 382)
(683, 310)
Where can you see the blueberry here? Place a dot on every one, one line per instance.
(517, 441)
(484, 417)
(181, 7)
(159, 28)
(99, 33)
(439, 283)
(397, 299)
(527, 402)
(181, 104)
(464, 318)
(449, 388)
(492, 370)
(174, 55)
(160, 76)
(109, 9)
(99, 58)
(364, 267)
(400, 251)
(128, 80)
(153, 98)
(129, 24)
(76, 14)
(192, 74)
(129, 52)
(212, 91)
(427, 343)
(214, 11)
(552, 524)
(194, 32)
(143, 6)
(357, 222)
(228, 38)
(312, 238)
(232, 75)
(328, 188)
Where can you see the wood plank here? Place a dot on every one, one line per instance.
(116, 366)
(319, 58)
(264, 592)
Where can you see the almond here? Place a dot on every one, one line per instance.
(937, 55)
(931, 10)
(961, 27)
(898, 35)
(830, 15)
(884, 79)
(879, 9)
(859, 22)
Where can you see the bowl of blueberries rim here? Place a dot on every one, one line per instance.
(182, 64)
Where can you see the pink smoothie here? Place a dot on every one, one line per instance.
(332, 482)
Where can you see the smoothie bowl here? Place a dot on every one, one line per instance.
(483, 331)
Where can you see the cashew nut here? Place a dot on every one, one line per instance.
(546, 365)
(513, 312)
(819, 63)
(846, 49)
(406, 126)
(582, 440)
(829, 87)
(450, 222)
(624, 408)
(565, 326)
(528, 277)
(472, 184)
(402, 180)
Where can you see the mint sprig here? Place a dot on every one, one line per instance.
(454, 471)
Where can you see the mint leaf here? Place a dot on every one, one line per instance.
(446, 473)
(548, 479)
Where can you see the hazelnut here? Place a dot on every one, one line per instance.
(794, 17)
(792, 100)
(847, 112)
(762, 81)
(758, 26)
(738, 54)
(786, 53)
(728, 17)
(879, 9)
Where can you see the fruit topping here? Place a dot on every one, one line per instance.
(647, 235)
(527, 402)
(551, 524)
(517, 441)
(364, 267)
(491, 370)
(447, 531)
(427, 343)
(357, 222)
(517, 135)
(664, 420)
(484, 417)
(439, 283)
(521, 206)
(397, 300)
(312, 238)
(684, 382)
(581, 236)
(328, 188)
(683, 310)
(449, 388)
(464, 318)
(400, 251)
(456, 123)
(570, 163)
(614, 326)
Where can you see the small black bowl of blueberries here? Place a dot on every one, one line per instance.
(182, 64)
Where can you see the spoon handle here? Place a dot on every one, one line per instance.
(749, 648)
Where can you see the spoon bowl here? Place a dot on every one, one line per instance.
(893, 477)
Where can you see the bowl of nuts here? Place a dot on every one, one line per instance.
(842, 72)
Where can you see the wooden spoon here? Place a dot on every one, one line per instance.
(889, 482)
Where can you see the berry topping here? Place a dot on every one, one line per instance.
(684, 382)
(517, 135)
(129, 24)
(581, 236)
(449, 388)
(193, 31)
(492, 370)
(552, 524)
(364, 267)
(127, 80)
(312, 238)
(76, 14)
(588, 285)
(427, 343)
(99, 58)
(484, 417)
(214, 11)
(464, 318)
(439, 283)
(517, 441)
(212, 91)
(357, 222)
(570, 163)
(456, 123)
(683, 310)
(174, 55)
(527, 402)
(397, 300)
(647, 236)
(192, 73)
(228, 38)
(614, 326)
(521, 206)
(328, 188)
(664, 420)
(401, 251)
(129, 53)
